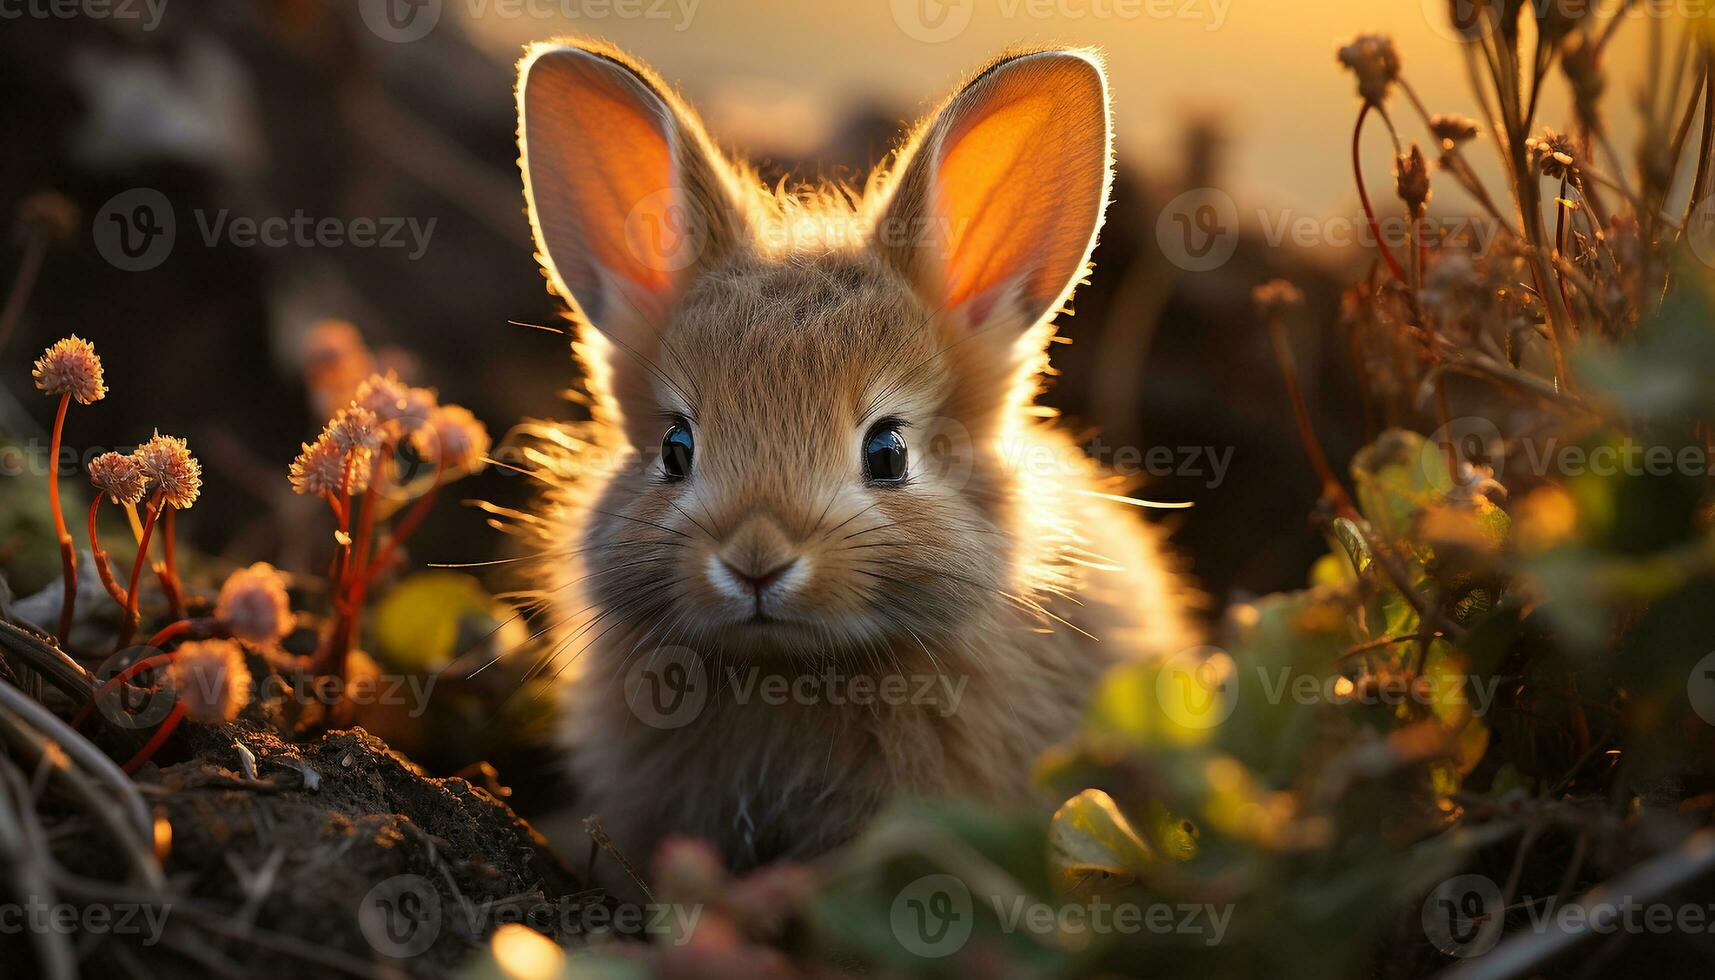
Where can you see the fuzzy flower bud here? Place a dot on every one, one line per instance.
(355, 427)
(1413, 176)
(118, 476)
(1553, 154)
(1452, 130)
(210, 680)
(455, 438)
(1374, 60)
(70, 367)
(1276, 297)
(171, 470)
(321, 468)
(253, 605)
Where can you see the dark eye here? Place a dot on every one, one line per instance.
(677, 447)
(884, 454)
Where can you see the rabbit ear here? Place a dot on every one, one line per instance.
(626, 196)
(997, 202)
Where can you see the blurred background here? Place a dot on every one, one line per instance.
(392, 122)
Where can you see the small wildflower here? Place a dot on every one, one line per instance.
(1553, 154)
(1454, 129)
(210, 680)
(71, 367)
(1373, 59)
(455, 437)
(254, 606)
(383, 394)
(1413, 175)
(355, 427)
(1276, 297)
(336, 360)
(171, 470)
(118, 476)
(321, 467)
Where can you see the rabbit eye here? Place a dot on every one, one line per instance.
(677, 447)
(884, 454)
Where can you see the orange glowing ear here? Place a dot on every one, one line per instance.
(626, 197)
(997, 205)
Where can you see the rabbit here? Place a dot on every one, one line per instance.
(814, 461)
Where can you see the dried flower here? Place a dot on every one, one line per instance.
(71, 367)
(1373, 59)
(254, 606)
(1276, 297)
(455, 437)
(171, 470)
(321, 468)
(1412, 173)
(383, 394)
(118, 476)
(355, 428)
(1553, 154)
(210, 680)
(1453, 129)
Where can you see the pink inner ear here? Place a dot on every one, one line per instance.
(603, 182)
(1019, 184)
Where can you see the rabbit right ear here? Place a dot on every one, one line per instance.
(626, 196)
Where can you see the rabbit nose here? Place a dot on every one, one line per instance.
(759, 581)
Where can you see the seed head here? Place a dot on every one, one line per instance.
(1374, 60)
(1413, 176)
(71, 367)
(1276, 297)
(355, 428)
(118, 476)
(320, 468)
(455, 437)
(253, 605)
(210, 679)
(1452, 130)
(383, 394)
(171, 470)
(1553, 154)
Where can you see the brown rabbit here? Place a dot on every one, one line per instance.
(818, 548)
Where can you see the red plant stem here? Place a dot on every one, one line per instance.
(112, 684)
(168, 570)
(1364, 195)
(156, 740)
(173, 632)
(101, 567)
(132, 619)
(1332, 489)
(403, 530)
(68, 555)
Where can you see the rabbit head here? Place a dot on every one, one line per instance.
(811, 391)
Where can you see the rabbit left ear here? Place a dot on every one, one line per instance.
(996, 205)
(627, 198)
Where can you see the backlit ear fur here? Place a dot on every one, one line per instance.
(994, 206)
(627, 197)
